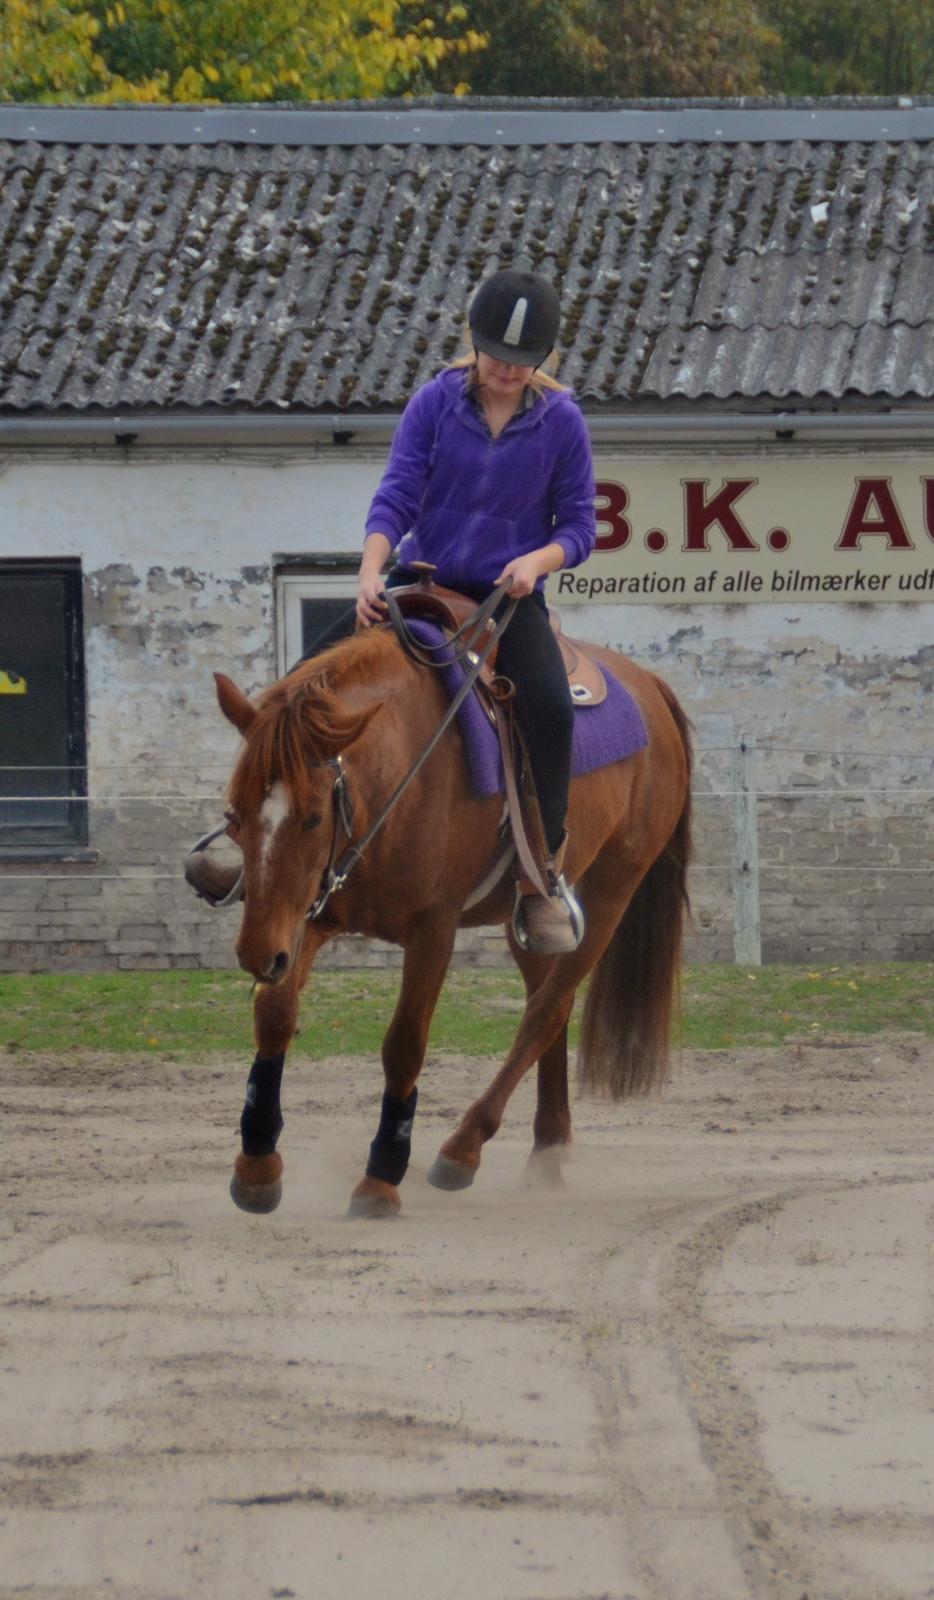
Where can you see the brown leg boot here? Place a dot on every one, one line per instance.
(550, 925)
(218, 882)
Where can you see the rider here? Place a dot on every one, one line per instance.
(490, 479)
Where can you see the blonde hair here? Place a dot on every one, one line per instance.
(542, 378)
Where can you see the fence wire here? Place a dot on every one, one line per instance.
(885, 798)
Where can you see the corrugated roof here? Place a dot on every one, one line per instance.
(323, 277)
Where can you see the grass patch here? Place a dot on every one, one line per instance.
(728, 1006)
(196, 1014)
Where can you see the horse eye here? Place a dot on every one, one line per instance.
(312, 821)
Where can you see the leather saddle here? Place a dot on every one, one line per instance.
(450, 610)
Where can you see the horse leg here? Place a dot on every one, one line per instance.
(256, 1184)
(427, 955)
(541, 1037)
(552, 1125)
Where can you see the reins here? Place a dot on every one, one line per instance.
(426, 654)
(335, 876)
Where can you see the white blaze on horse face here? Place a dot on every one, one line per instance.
(276, 808)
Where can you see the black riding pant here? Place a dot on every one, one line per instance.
(528, 654)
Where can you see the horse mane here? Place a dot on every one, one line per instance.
(301, 720)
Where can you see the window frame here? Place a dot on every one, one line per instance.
(16, 840)
(333, 580)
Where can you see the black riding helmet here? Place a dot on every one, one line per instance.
(514, 317)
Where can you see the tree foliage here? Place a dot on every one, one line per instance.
(682, 47)
(850, 47)
(300, 50)
(160, 51)
(45, 44)
(616, 48)
(535, 48)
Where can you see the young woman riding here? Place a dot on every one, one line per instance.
(490, 479)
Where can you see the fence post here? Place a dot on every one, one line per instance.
(747, 928)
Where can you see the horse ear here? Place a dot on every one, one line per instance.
(330, 740)
(366, 717)
(234, 703)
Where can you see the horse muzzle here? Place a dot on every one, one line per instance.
(265, 966)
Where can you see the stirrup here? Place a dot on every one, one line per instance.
(575, 915)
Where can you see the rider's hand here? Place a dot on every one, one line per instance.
(521, 574)
(371, 607)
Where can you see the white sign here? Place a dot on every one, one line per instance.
(758, 530)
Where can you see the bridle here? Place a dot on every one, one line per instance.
(334, 876)
(342, 810)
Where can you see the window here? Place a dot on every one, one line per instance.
(42, 708)
(308, 603)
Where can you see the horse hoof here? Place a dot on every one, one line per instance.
(545, 1165)
(447, 1174)
(374, 1198)
(256, 1184)
(259, 1197)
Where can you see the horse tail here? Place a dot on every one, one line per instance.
(626, 1026)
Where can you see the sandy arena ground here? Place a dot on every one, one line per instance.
(700, 1370)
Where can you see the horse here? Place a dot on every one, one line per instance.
(323, 748)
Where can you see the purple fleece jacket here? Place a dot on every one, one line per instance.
(453, 495)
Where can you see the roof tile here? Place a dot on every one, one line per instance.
(330, 277)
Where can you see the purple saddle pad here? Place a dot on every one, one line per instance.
(604, 733)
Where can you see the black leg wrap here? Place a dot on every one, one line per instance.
(390, 1150)
(261, 1119)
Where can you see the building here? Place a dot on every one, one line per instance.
(209, 322)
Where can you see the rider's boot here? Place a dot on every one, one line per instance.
(553, 924)
(211, 880)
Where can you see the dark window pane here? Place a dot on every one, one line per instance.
(319, 618)
(41, 717)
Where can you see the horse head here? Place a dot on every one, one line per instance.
(282, 812)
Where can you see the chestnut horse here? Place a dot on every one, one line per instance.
(359, 715)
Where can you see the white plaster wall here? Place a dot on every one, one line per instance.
(177, 552)
(177, 556)
(215, 510)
